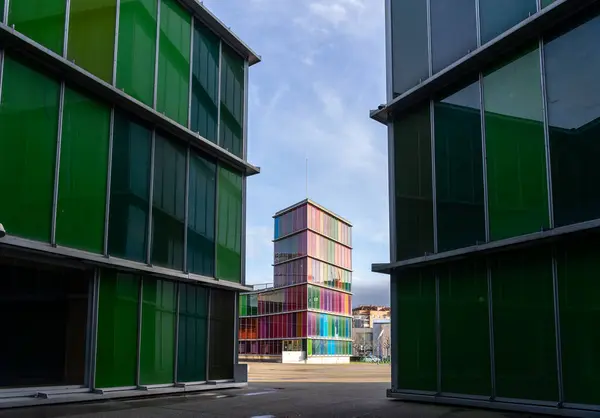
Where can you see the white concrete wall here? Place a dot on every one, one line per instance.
(293, 357)
(328, 360)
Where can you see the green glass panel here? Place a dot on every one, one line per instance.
(1, 10)
(222, 330)
(193, 333)
(232, 101)
(410, 44)
(546, 3)
(416, 362)
(168, 207)
(464, 328)
(174, 61)
(201, 216)
(136, 54)
(579, 298)
(29, 126)
(459, 170)
(92, 36)
(515, 149)
(157, 354)
(205, 82)
(116, 357)
(40, 20)
(414, 193)
(83, 172)
(524, 338)
(496, 17)
(573, 90)
(229, 231)
(129, 189)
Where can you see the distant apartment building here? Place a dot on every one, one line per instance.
(364, 315)
(306, 315)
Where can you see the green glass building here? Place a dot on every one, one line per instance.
(123, 166)
(493, 111)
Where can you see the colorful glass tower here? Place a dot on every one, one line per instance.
(307, 315)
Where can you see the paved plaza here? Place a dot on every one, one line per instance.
(274, 391)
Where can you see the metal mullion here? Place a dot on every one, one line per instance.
(218, 139)
(61, 103)
(546, 133)
(478, 22)
(491, 329)
(433, 178)
(139, 333)
(245, 113)
(66, 32)
(5, 12)
(150, 200)
(557, 329)
(177, 307)
(186, 217)
(216, 218)
(109, 180)
(235, 328)
(1, 72)
(156, 56)
(94, 327)
(438, 335)
(429, 41)
(486, 208)
(116, 43)
(190, 91)
(208, 319)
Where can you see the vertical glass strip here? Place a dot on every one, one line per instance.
(129, 189)
(193, 333)
(415, 322)
(465, 354)
(29, 126)
(40, 20)
(92, 36)
(222, 324)
(83, 173)
(515, 148)
(201, 215)
(168, 206)
(205, 82)
(174, 61)
(413, 180)
(579, 300)
(137, 48)
(524, 334)
(232, 101)
(459, 170)
(229, 233)
(157, 356)
(116, 358)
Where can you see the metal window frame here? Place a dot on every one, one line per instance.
(150, 200)
(111, 134)
(116, 43)
(156, 56)
(138, 367)
(486, 207)
(542, 63)
(54, 216)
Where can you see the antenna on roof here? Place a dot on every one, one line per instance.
(307, 177)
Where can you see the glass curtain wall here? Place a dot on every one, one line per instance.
(173, 317)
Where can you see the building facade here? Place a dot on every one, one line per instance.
(492, 112)
(123, 172)
(306, 316)
(364, 315)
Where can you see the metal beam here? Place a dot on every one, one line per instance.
(59, 252)
(490, 247)
(46, 60)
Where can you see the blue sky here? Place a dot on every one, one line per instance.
(323, 68)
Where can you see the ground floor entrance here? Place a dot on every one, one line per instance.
(68, 327)
(44, 312)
